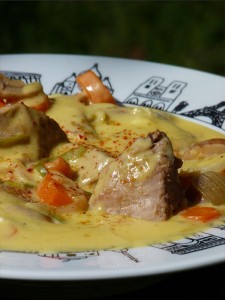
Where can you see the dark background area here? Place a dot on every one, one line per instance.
(185, 33)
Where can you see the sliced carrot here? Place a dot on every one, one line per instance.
(201, 213)
(52, 192)
(60, 165)
(94, 88)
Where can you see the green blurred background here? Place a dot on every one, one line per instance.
(185, 33)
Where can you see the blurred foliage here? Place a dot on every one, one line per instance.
(185, 33)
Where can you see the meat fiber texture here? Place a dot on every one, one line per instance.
(143, 182)
(27, 134)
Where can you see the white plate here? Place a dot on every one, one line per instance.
(182, 91)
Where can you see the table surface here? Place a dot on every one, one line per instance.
(203, 283)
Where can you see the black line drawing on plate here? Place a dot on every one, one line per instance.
(126, 253)
(68, 86)
(68, 256)
(24, 76)
(214, 114)
(152, 93)
(197, 242)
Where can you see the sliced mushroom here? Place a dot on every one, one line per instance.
(31, 94)
(10, 88)
(205, 148)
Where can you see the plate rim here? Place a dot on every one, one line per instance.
(106, 274)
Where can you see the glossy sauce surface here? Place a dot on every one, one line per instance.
(25, 226)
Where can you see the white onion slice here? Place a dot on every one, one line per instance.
(212, 186)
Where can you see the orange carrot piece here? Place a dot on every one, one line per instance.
(94, 88)
(60, 165)
(201, 213)
(52, 192)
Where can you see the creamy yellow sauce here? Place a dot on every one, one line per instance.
(25, 226)
(115, 127)
(87, 231)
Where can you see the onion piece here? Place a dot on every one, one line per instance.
(212, 186)
(205, 149)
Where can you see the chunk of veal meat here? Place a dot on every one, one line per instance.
(143, 182)
(27, 134)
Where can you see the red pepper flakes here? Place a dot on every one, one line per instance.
(82, 137)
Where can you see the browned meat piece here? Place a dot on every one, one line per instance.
(143, 182)
(27, 134)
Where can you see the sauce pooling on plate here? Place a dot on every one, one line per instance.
(78, 176)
